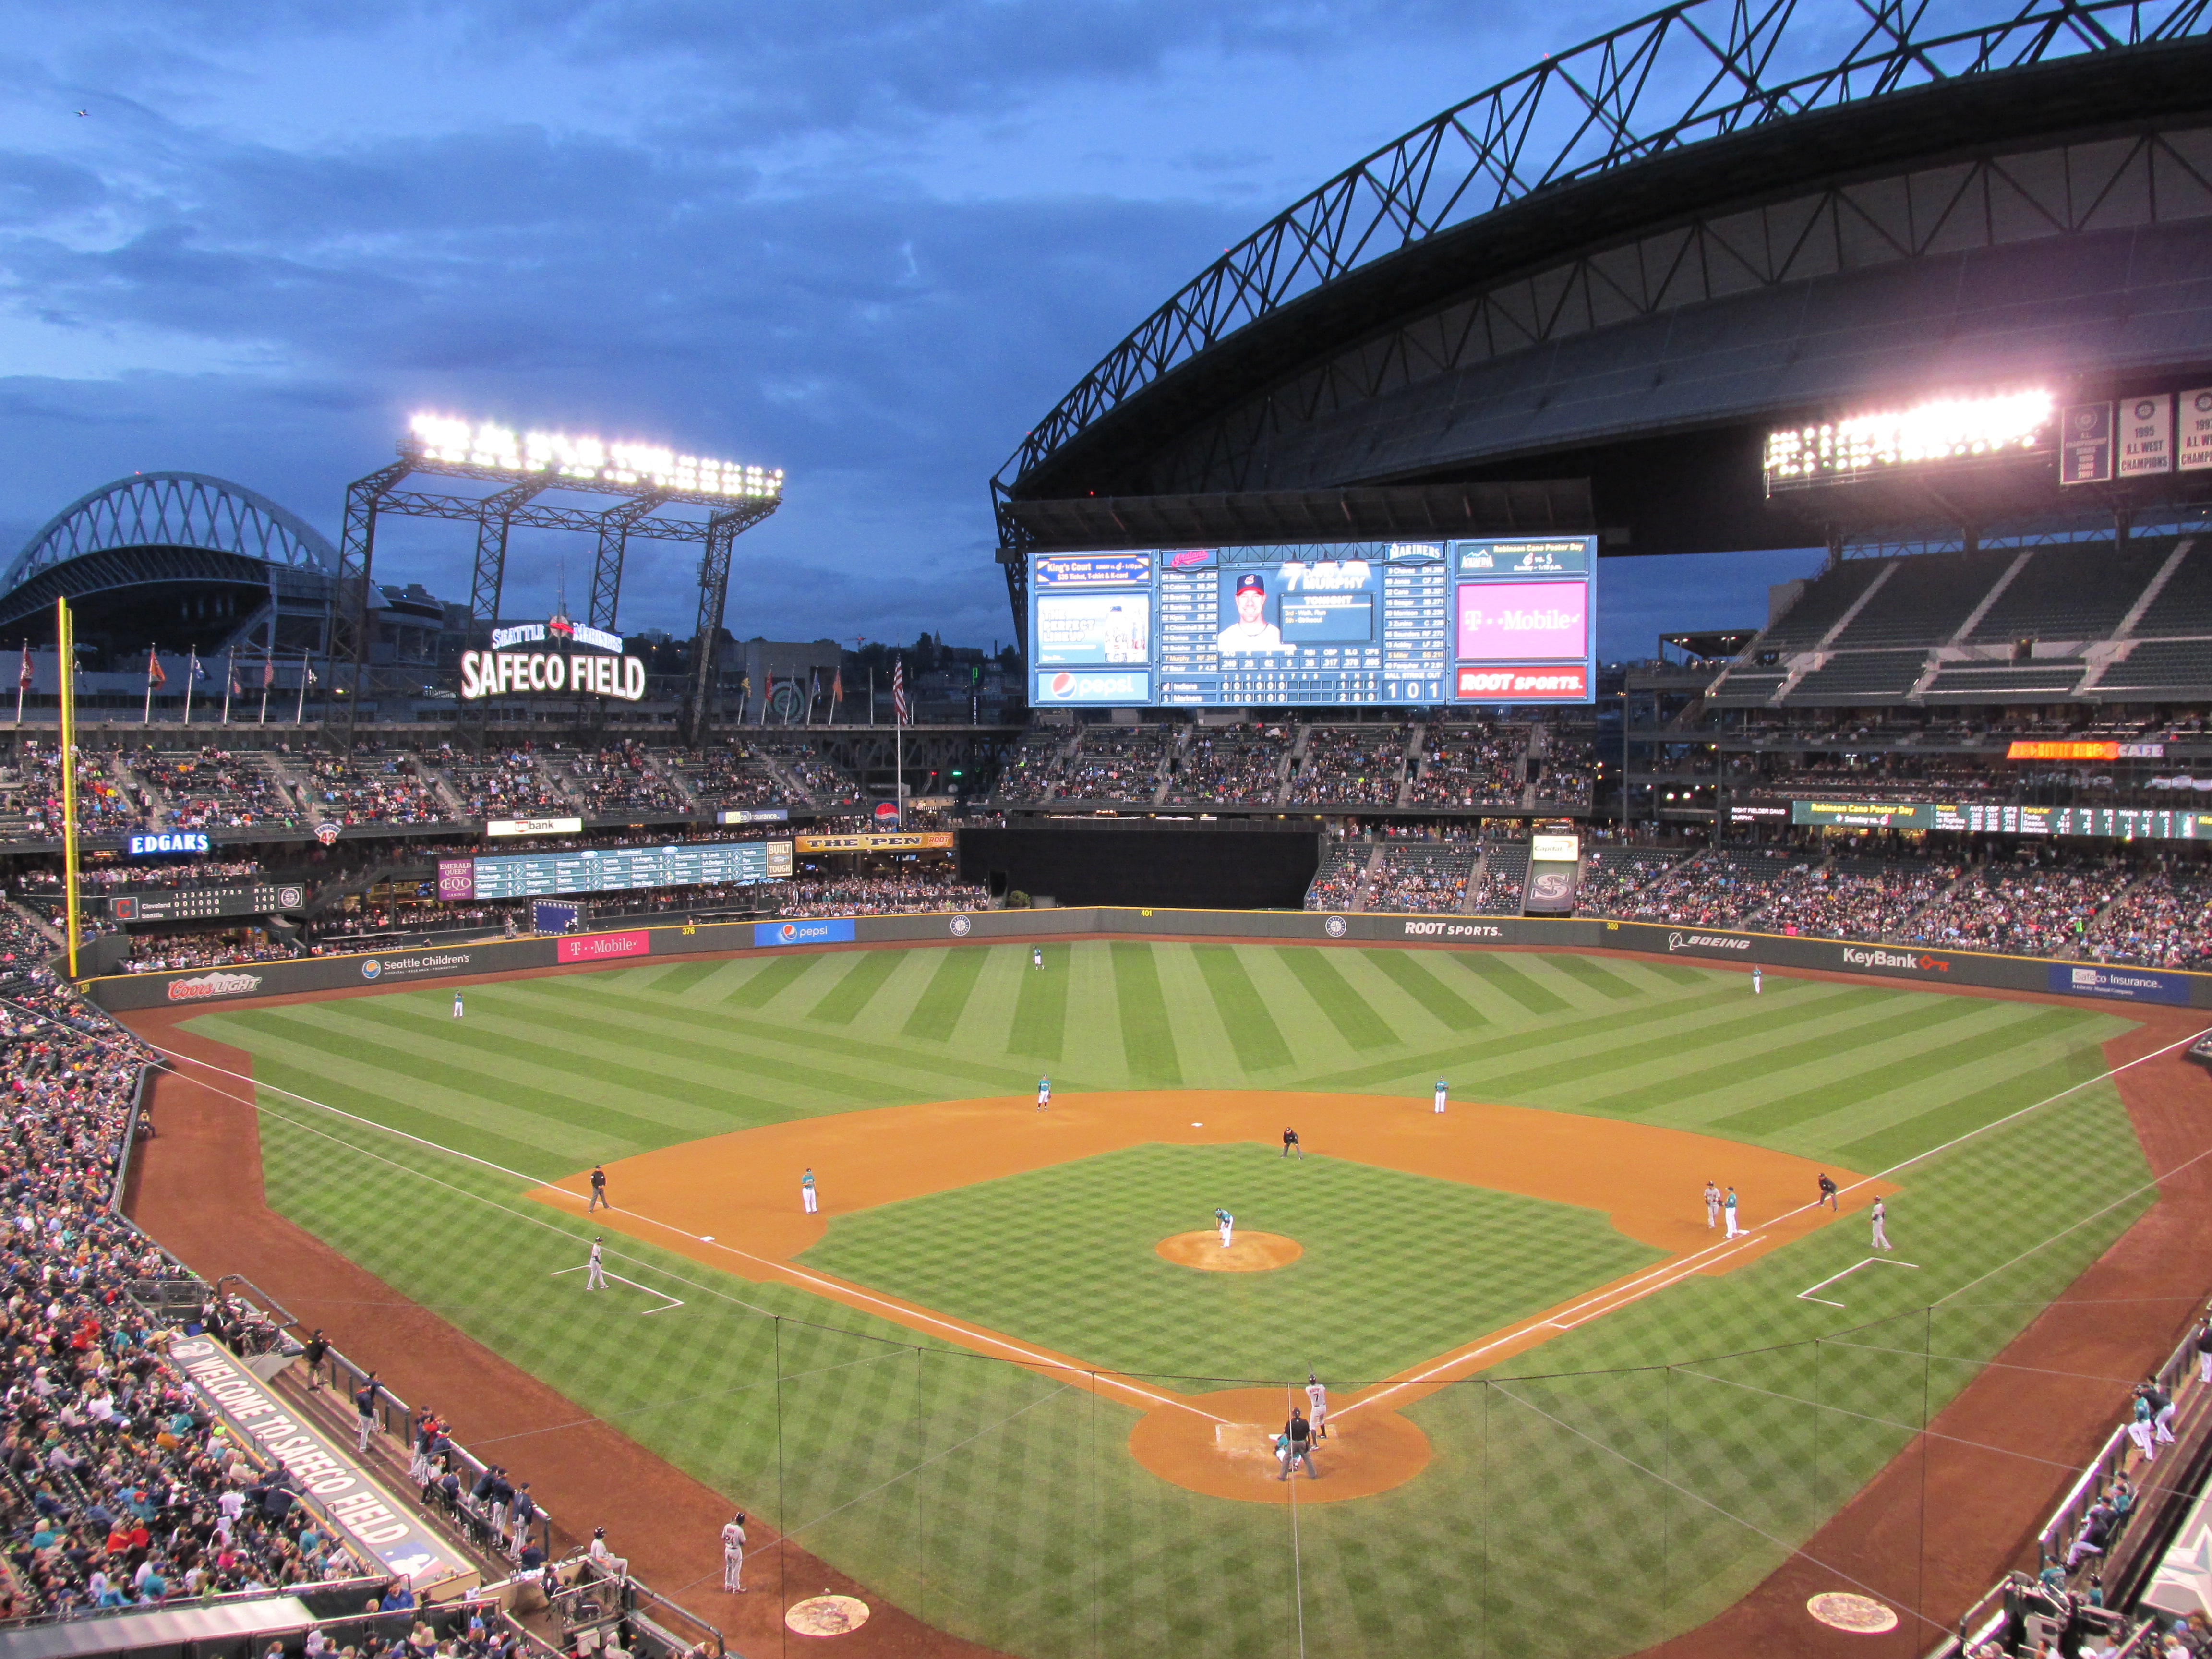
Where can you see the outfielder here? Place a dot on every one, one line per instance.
(806, 1192)
(1317, 1403)
(1728, 1211)
(1036, 955)
(595, 1273)
(734, 1552)
(457, 1005)
(1757, 979)
(1045, 1092)
(1880, 1233)
(1443, 1089)
(1712, 1204)
(1227, 1223)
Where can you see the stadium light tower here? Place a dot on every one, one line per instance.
(522, 466)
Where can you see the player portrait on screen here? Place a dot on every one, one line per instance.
(1251, 631)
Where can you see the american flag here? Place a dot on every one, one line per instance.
(902, 711)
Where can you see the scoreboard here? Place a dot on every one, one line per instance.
(2107, 822)
(1425, 622)
(614, 869)
(199, 903)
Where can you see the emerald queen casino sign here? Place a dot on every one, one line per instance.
(1504, 620)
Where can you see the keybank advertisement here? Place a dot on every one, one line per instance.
(838, 932)
(2128, 984)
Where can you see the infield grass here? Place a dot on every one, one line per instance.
(1622, 1482)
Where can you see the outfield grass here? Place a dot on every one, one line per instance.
(1621, 1482)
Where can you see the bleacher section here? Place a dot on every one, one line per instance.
(825, 784)
(619, 780)
(1504, 872)
(731, 779)
(508, 785)
(1034, 772)
(1612, 873)
(1335, 885)
(1350, 766)
(1869, 676)
(1230, 764)
(216, 789)
(1421, 877)
(1925, 600)
(1116, 764)
(2048, 599)
(1470, 766)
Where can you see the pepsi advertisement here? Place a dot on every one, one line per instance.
(1423, 623)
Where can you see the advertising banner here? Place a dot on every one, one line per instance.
(755, 815)
(457, 879)
(877, 840)
(534, 827)
(826, 930)
(377, 968)
(380, 1525)
(598, 947)
(1514, 620)
(1568, 684)
(2127, 984)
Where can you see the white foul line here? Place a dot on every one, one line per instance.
(667, 1300)
(1807, 1296)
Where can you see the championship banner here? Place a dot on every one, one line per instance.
(2194, 438)
(878, 841)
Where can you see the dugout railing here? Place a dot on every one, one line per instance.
(1987, 1619)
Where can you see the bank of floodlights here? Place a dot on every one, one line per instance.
(557, 455)
(2011, 423)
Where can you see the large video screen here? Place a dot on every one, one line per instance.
(594, 870)
(1501, 620)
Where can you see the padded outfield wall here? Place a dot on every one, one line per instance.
(184, 987)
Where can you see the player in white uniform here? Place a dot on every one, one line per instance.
(1880, 1233)
(1036, 955)
(1712, 1204)
(734, 1552)
(1318, 1403)
(806, 1192)
(1251, 631)
(457, 1005)
(1045, 1092)
(595, 1274)
(1442, 1089)
(1227, 1223)
(1727, 1210)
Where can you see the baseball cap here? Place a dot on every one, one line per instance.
(1250, 582)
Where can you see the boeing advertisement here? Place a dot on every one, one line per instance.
(1425, 623)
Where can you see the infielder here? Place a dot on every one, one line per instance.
(1880, 1233)
(595, 1273)
(1757, 979)
(1728, 1211)
(457, 1005)
(1290, 1144)
(1442, 1088)
(734, 1552)
(1317, 1401)
(1045, 1092)
(1227, 1223)
(1712, 1204)
(806, 1192)
(598, 1191)
(1036, 955)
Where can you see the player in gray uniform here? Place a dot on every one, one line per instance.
(1317, 1403)
(734, 1552)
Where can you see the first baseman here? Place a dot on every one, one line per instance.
(1045, 1092)
(1227, 1223)
(806, 1192)
(1728, 1211)
(1442, 1088)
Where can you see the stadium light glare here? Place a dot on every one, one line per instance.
(1949, 430)
(497, 448)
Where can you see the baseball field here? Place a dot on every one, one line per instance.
(1570, 1418)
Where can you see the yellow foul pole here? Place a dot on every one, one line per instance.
(68, 644)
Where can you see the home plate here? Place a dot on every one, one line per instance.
(1244, 1440)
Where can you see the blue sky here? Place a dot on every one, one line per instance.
(869, 242)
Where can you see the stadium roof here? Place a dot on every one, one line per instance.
(1703, 107)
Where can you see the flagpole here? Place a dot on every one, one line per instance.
(872, 694)
(22, 682)
(147, 717)
(229, 681)
(64, 635)
(300, 714)
(191, 672)
(268, 675)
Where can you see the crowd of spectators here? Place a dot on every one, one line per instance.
(623, 779)
(2041, 909)
(2164, 920)
(1567, 775)
(201, 872)
(825, 784)
(33, 787)
(912, 893)
(1505, 874)
(1721, 887)
(1416, 877)
(216, 789)
(1336, 884)
(1353, 765)
(1471, 766)
(1115, 762)
(508, 785)
(1853, 898)
(153, 952)
(117, 1486)
(732, 776)
(368, 788)
(1230, 763)
(1610, 874)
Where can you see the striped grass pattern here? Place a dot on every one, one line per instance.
(1593, 1495)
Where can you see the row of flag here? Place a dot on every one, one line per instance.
(901, 710)
(156, 677)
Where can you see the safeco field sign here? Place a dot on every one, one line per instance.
(501, 674)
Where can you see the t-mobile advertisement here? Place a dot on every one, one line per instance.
(1513, 622)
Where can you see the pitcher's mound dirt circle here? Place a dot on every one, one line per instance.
(1252, 1253)
(1226, 1448)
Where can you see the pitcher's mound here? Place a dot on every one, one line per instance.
(1252, 1253)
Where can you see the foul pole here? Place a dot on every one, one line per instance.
(63, 636)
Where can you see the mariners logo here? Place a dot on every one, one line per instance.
(1335, 927)
(960, 927)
